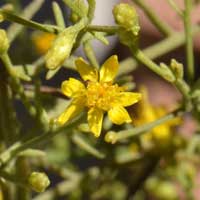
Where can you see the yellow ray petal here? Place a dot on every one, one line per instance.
(109, 69)
(119, 115)
(72, 87)
(87, 72)
(95, 118)
(71, 111)
(128, 98)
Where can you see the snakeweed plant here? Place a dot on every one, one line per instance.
(99, 136)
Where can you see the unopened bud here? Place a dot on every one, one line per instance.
(62, 45)
(111, 137)
(38, 181)
(177, 68)
(74, 17)
(61, 48)
(168, 74)
(4, 43)
(126, 17)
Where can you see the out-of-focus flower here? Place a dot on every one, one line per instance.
(1, 194)
(98, 94)
(4, 43)
(38, 181)
(161, 134)
(43, 41)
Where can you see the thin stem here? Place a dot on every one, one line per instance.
(175, 7)
(89, 52)
(172, 42)
(189, 40)
(160, 24)
(16, 148)
(107, 29)
(16, 85)
(91, 10)
(134, 132)
(12, 178)
(29, 23)
(83, 144)
(141, 57)
(23, 171)
(28, 12)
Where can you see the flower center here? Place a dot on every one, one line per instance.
(102, 95)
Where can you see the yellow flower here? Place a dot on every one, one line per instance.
(147, 113)
(43, 41)
(98, 94)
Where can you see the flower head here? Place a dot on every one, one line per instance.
(98, 94)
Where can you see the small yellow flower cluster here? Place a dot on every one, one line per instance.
(160, 135)
(98, 94)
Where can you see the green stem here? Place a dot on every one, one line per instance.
(16, 148)
(29, 23)
(91, 10)
(23, 171)
(175, 7)
(80, 141)
(89, 52)
(3, 122)
(12, 178)
(107, 29)
(158, 49)
(141, 57)
(134, 132)
(16, 85)
(160, 24)
(28, 12)
(189, 40)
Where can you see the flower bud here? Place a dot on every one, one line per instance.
(177, 68)
(61, 48)
(126, 17)
(38, 181)
(169, 76)
(63, 44)
(4, 43)
(81, 7)
(111, 137)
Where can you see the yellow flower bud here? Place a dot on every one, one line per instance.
(38, 181)
(61, 48)
(126, 17)
(4, 43)
(111, 137)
